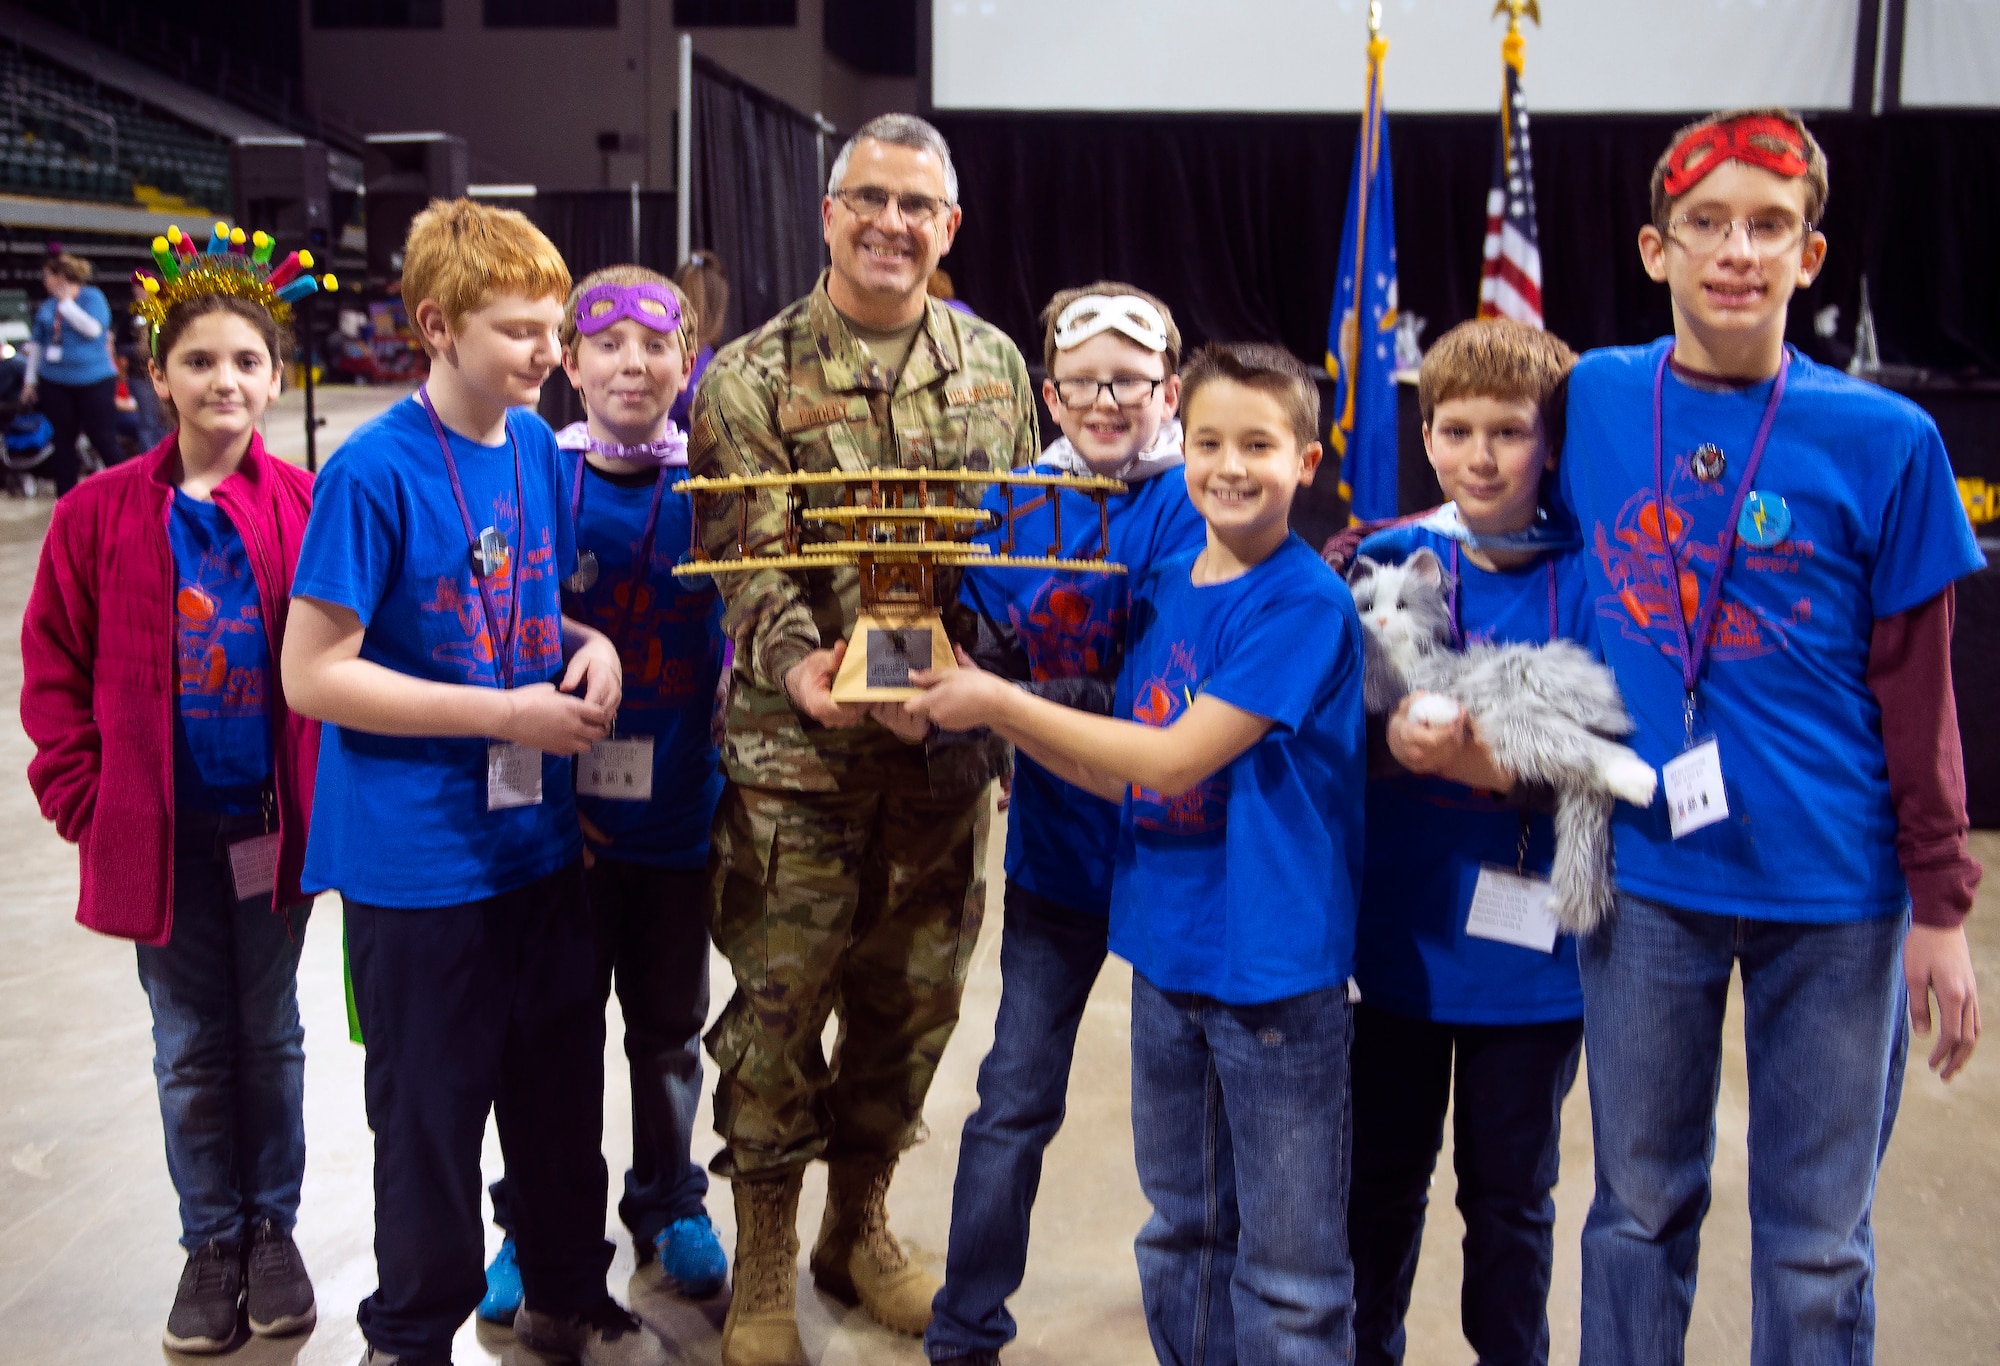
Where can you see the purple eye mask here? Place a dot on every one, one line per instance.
(648, 305)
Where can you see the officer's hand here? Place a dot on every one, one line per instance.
(809, 688)
(892, 717)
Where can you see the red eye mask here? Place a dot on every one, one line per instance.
(1756, 140)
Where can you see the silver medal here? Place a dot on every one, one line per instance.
(586, 572)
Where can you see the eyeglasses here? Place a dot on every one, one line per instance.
(1768, 234)
(869, 202)
(1127, 391)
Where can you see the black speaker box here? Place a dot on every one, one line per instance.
(281, 187)
(403, 172)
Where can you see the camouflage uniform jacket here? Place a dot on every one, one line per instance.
(802, 394)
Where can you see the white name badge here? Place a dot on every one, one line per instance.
(621, 770)
(253, 866)
(513, 775)
(1693, 784)
(1512, 908)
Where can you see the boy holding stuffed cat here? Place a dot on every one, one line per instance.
(1456, 1004)
(1771, 548)
(1239, 757)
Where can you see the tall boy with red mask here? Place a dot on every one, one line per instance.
(1772, 548)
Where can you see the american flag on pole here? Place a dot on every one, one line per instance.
(1510, 280)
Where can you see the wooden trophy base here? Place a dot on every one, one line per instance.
(887, 643)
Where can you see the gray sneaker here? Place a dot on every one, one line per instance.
(279, 1296)
(602, 1336)
(203, 1319)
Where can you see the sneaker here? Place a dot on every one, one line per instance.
(279, 1294)
(603, 1336)
(203, 1319)
(503, 1287)
(692, 1263)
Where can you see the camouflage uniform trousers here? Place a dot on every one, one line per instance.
(865, 902)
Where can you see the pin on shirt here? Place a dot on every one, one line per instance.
(491, 554)
(585, 575)
(1708, 462)
(1765, 520)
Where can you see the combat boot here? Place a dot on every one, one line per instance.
(762, 1328)
(857, 1260)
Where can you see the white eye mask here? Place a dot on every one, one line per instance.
(1127, 314)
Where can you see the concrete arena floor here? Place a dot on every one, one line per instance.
(88, 1260)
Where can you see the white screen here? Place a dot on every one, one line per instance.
(1951, 53)
(1307, 56)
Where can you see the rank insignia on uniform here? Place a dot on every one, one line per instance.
(960, 395)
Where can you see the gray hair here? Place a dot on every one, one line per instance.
(898, 130)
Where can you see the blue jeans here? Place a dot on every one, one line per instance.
(1825, 1032)
(229, 1052)
(1242, 1130)
(1049, 960)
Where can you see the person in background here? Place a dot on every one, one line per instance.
(71, 376)
(705, 282)
(165, 750)
(939, 288)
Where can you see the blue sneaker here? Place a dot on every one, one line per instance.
(503, 1288)
(691, 1259)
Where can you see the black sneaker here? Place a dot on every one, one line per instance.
(603, 1336)
(203, 1320)
(280, 1294)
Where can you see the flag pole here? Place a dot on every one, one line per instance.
(1371, 139)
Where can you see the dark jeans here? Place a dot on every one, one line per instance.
(1825, 1036)
(1508, 1083)
(652, 937)
(1242, 1129)
(90, 409)
(1049, 960)
(228, 1049)
(487, 1006)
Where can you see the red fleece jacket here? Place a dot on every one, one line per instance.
(98, 678)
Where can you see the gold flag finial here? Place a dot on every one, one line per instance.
(1375, 17)
(1514, 9)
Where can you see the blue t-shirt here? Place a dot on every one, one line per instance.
(82, 360)
(1876, 529)
(222, 719)
(1243, 888)
(1060, 838)
(671, 646)
(1428, 837)
(402, 821)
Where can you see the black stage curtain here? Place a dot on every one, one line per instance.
(593, 229)
(756, 188)
(1236, 222)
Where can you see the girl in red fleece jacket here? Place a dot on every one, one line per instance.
(165, 751)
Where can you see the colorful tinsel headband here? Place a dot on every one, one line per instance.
(233, 264)
(1755, 139)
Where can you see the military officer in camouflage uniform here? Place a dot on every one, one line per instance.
(847, 860)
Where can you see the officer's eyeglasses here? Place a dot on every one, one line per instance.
(869, 202)
(1704, 233)
(1127, 391)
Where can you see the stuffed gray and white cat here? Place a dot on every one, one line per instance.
(1547, 712)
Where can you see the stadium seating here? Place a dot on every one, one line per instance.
(56, 139)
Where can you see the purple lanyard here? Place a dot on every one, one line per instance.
(1694, 650)
(644, 564)
(503, 647)
(1458, 630)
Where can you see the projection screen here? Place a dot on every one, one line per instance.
(1307, 56)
